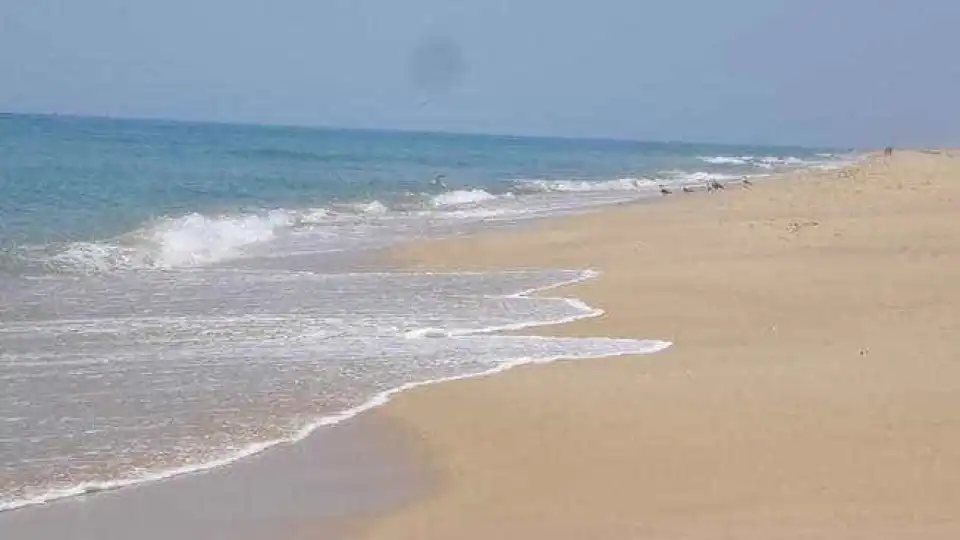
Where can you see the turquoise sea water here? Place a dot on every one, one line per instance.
(168, 300)
(68, 179)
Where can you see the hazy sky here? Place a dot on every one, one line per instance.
(819, 72)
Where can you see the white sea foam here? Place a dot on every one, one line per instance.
(93, 257)
(726, 160)
(598, 347)
(583, 186)
(191, 240)
(197, 239)
(685, 177)
(767, 162)
(484, 213)
(371, 208)
(314, 216)
(789, 160)
(461, 198)
(631, 347)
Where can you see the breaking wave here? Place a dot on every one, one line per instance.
(583, 186)
(725, 160)
(767, 162)
(461, 198)
(197, 239)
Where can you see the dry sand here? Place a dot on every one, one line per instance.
(813, 390)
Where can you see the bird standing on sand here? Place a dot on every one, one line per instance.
(713, 185)
(664, 190)
(746, 182)
(687, 189)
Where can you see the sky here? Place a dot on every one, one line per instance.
(852, 73)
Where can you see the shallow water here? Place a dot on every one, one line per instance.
(110, 379)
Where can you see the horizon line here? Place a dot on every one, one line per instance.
(410, 131)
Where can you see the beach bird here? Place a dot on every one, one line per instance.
(687, 189)
(664, 190)
(438, 182)
(713, 185)
(746, 182)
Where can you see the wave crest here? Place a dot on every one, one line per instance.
(197, 239)
(767, 162)
(461, 198)
(583, 186)
(190, 240)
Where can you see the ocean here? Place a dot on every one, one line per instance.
(176, 296)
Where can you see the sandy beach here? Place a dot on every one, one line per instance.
(813, 389)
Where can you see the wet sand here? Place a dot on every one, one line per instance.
(813, 390)
(321, 487)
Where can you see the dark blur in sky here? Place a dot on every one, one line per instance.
(815, 72)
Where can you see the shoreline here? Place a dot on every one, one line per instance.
(785, 409)
(384, 397)
(374, 402)
(94, 511)
(364, 261)
(326, 485)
